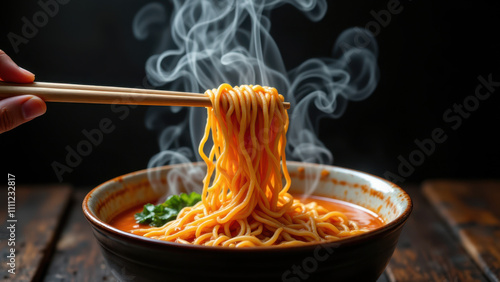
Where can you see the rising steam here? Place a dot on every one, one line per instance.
(202, 44)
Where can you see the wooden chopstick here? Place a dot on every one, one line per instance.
(75, 93)
(111, 89)
(78, 93)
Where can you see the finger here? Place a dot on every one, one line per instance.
(15, 111)
(11, 72)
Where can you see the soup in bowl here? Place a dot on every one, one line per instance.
(378, 206)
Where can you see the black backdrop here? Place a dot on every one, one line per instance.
(431, 54)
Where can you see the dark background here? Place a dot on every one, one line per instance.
(430, 55)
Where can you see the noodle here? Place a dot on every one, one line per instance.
(244, 201)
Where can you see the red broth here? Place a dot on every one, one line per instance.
(363, 217)
(125, 221)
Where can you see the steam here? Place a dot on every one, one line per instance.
(202, 44)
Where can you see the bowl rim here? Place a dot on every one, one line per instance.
(99, 224)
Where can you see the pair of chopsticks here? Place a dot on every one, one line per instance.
(93, 94)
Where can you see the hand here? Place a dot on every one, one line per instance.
(15, 111)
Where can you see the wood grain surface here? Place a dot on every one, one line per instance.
(77, 256)
(472, 210)
(39, 211)
(427, 251)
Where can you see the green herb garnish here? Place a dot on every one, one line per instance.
(160, 214)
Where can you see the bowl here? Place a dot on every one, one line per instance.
(358, 258)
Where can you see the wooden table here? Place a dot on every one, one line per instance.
(453, 234)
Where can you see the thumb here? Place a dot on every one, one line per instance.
(15, 111)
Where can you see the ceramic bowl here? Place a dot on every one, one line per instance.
(358, 258)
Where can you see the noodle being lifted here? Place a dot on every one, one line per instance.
(246, 203)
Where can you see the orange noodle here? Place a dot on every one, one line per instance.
(244, 200)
